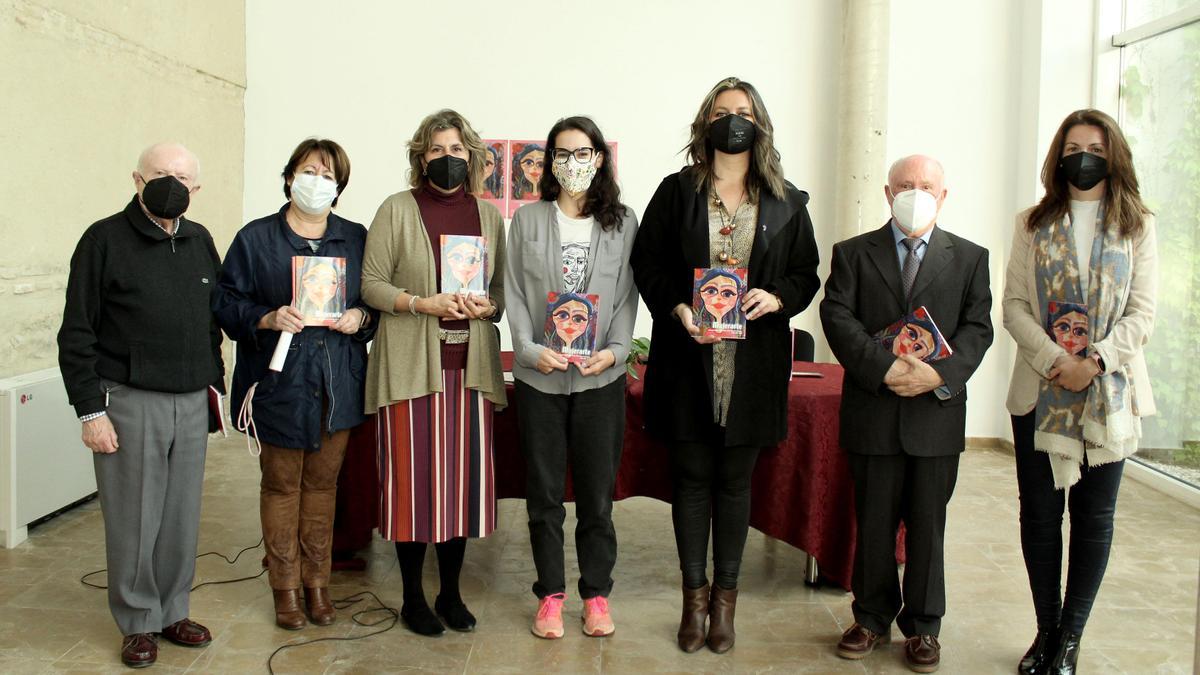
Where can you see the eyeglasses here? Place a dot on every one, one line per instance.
(582, 155)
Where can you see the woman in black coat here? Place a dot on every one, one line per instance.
(718, 402)
(298, 271)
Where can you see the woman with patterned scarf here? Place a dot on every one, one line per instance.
(1079, 301)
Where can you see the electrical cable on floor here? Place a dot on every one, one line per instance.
(391, 619)
(84, 579)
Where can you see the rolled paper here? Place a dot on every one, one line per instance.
(281, 350)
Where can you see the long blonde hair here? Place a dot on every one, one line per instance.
(766, 171)
(422, 139)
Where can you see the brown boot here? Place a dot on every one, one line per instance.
(318, 607)
(691, 624)
(287, 609)
(721, 607)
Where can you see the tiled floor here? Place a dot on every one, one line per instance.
(1144, 620)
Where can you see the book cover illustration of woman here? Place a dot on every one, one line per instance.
(915, 334)
(464, 264)
(319, 288)
(570, 326)
(717, 296)
(495, 168)
(1068, 324)
(528, 165)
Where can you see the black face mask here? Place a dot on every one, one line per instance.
(447, 172)
(1083, 169)
(732, 134)
(165, 197)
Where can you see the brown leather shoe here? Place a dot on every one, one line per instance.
(287, 609)
(858, 641)
(721, 607)
(318, 606)
(187, 633)
(139, 650)
(691, 624)
(922, 653)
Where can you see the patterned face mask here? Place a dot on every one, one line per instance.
(573, 176)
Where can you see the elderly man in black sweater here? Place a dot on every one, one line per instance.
(138, 350)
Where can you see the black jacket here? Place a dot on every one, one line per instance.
(257, 279)
(137, 310)
(864, 295)
(671, 242)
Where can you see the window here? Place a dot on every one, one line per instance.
(1159, 110)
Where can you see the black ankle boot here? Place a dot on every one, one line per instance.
(1040, 652)
(1066, 656)
(420, 619)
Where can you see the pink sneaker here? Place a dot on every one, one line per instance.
(548, 622)
(597, 622)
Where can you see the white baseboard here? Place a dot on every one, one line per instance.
(1134, 470)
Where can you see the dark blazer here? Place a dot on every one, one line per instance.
(863, 295)
(257, 279)
(670, 244)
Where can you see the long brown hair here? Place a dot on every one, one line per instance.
(1122, 201)
(766, 171)
(422, 139)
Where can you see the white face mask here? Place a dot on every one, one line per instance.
(914, 210)
(313, 194)
(573, 176)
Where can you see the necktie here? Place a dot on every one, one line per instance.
(911, 263)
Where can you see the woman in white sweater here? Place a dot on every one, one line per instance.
(1079, 301)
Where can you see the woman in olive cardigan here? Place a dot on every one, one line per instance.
(433, 375)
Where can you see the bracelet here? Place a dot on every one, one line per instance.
(778, 299)
(412, 304)
(366, 318)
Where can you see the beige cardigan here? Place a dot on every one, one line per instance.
(1036, 351)
(405, 360)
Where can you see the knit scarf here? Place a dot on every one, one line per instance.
(1096, 425)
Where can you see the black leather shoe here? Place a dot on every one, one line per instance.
(421, 620)
(1037, 658)
(455, 614)
(1066, 655)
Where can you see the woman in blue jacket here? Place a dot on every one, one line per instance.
(298, 271)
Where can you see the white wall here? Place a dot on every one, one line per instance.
(366, 73)
(980, 85)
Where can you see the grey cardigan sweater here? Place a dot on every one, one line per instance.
(534, 268)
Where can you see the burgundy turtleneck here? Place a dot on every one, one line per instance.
(454, 213)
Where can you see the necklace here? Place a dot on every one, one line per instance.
(727, 228)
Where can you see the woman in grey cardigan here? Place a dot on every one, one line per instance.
(575, 240)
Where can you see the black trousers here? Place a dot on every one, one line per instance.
(888, 489)
(588, 430)
(1093, 501)
(711, 486)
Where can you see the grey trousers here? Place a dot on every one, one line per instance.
(150, 498)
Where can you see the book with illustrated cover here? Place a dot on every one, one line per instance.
(915, 334)
(464, 264)
(570, 327)
(717, 295)
(1067, 325)
(319, 288)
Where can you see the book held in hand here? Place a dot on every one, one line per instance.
(1067, 325)
(915, 334)
(464, 264)
(570, 326)
(717, 294)
(319, 288)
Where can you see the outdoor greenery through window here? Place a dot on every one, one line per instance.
(1160, 114)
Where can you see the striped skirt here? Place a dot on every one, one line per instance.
(436, 476)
